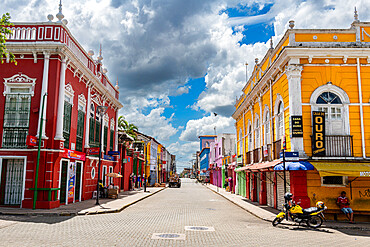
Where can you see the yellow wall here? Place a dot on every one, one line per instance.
(360, 192)
(325, 37)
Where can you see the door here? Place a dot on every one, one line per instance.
(270, 188)
(63, 181)
(104, 178)
(12, 181)
(280, 188)
(258, 185)
(78, 181)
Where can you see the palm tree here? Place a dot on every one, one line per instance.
(128, 128)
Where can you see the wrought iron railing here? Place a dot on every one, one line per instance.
(15, 137)
(338, 146)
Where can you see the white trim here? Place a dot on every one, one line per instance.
(69, 92)
(24, 172)
(361, 108)
(19, 81)
(82, 102)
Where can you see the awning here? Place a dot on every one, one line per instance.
(243, 168)
(343, 169)
(295, 166)
(258, 166)
(264, 165)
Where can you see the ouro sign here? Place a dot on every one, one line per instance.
(318, 132)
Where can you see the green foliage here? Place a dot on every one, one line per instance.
(4, 31)
(129, 128)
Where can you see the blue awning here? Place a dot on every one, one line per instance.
(294, 166)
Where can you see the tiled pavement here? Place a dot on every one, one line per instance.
(167, 213)
(268, 214)
(124, 200)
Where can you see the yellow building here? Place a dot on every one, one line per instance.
(313, 90)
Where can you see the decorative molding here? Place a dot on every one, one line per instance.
(69, 92)
(19, 81)
(112, 124)
(293, 71)
(96, 99)
(82, 101)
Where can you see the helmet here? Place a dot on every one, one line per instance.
(288, 196)
(320, 204)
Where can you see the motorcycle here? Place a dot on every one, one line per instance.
(312, 216)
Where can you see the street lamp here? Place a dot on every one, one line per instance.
(101, 110)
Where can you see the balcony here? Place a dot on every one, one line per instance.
(256, 155)
(277, 149)
(338, 146)
(248, 157)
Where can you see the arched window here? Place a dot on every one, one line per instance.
(266, 125)
(240, 142)
(250, 137)
(280, 121)
(331, 104)
(257, 132)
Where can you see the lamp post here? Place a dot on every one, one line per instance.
(101, 110)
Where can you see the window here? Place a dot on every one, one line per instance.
(331, 104)
(111, 147)
(80, 130)
(94, 133)
(105, 138)
(267, 139)
(240, 142)
(334, 180)
(110, 178)
(16, 120)
(67, 122)
(250, 138)
(257, 133)
(280, 121)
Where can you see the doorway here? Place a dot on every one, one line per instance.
(12, 181)
(78, 185)
(63, 181)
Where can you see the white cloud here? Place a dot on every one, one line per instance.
(206, 125)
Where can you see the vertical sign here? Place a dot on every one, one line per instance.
(71, 179)
(296, 126)
(318, 133)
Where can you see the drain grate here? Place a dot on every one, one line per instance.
(173, 236)
(199, 228)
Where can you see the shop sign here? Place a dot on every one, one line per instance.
(92, 151)
(71, 179)
(108, 157)
(31, 140)
(265, 151)
(72, 154)
(114, 153)
(296, 127)
(318, 132)
(164, 162)
(124, 160)
(290, 156)
(283, 142)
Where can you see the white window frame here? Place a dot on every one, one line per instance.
(342, 96)
(250, 136)
(266, 126)
(257, 131)
(344, 184)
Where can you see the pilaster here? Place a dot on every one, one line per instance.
(44, 90)
(60, 113)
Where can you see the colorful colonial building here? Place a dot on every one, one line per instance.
(312, 92)
(51, 97)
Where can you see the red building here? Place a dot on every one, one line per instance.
(52, 63)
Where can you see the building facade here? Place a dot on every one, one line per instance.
(310, 94)
(52, 97)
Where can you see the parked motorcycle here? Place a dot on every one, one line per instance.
(312, 216)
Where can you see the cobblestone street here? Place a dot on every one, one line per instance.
(169, 212)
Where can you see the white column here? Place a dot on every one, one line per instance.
(116, 133)
(102, 129)
(293, 73)
(361, 109)
(44, 89)
(87, 129)
(59, 128)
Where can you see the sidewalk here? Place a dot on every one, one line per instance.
(125, 199)
(268, 214)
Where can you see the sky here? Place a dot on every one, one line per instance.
(180, 61)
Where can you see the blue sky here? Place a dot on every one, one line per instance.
(179, 61)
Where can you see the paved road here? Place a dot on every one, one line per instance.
(168, 212)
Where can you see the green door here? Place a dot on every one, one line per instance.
(63, 182)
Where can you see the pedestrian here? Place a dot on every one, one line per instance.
(134, 180)
(149, 178)
(144, 182)
(139, 181)
(343, 203)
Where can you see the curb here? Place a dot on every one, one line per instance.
(46, 214)
(288, 223)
